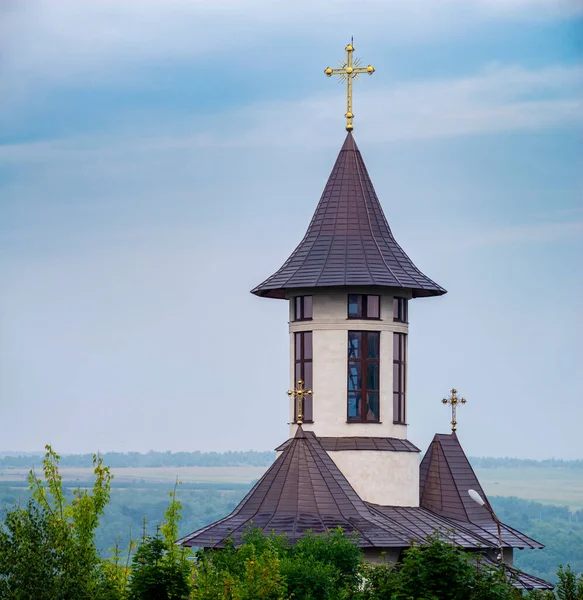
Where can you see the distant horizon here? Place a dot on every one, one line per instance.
(36, 453)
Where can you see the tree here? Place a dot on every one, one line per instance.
(160, 569)
(438, 570)
(46, 548)
(570, 587)
(249, 572)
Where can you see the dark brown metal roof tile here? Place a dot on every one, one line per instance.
(348, 241)
(331, 444)
(445, 476)
(302, 490)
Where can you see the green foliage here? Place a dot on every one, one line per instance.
(438, 570)
(334, 548)
(318, 567)
(312, 579)
(330, 567)
(560, 529)
(161, 570)
(157, 575)
(322, 567)
(46, 548)
(570, 587)
(538, 595)
(246, 573)
(116, 570)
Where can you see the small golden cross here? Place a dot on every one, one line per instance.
(299, 393)
(349, 69)
(453, 400)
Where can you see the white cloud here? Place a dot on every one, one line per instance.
(94, 41)
(502, 98)
(499, 99)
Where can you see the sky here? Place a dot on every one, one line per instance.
(160, 158)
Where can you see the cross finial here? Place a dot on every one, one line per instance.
(299, 393)
(349, 69)
(453, 400)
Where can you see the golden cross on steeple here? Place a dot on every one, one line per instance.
(299, 393)
(453, 400)
(349, 69)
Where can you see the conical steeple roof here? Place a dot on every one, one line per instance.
(349, 241)
(445, 477)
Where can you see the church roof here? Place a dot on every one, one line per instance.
(349, 241)
(444, 480)
(337, 444)
(302, 491)
(305, 491)
(445, 477)
(519, 579)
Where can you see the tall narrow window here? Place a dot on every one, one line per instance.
(400, 310)
(303, 371)
(302, 308)
(363, 376)
(399, 377)
(362, 306)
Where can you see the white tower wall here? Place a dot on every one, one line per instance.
(381, 477)
(330, 327)
(386, 478)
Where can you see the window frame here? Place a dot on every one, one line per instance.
(300, 373)
(400, 385)
(364, 361)
(363, 303)
(301, 301)
(401, 314)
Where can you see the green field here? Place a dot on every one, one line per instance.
(153, 474)
(562, 487)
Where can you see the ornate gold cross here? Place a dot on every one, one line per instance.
(349, 69)
(299, 393)
(453, 400)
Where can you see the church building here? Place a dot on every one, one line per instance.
(348, 461)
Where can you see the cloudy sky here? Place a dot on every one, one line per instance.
(158, 159)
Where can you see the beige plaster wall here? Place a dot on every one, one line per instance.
(388, 478)
(330, 327)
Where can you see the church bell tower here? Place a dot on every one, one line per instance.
(348, 284)
(348, 463)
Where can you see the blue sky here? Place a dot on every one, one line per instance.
(159, 159)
